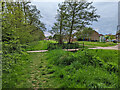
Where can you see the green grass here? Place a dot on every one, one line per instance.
(19, 74)
(87, 68)
(61, 69)
(39, 45)
(43, 45)
(40, 74)
(94, 44)
(107, 55)
(53, 46)
(34, 71)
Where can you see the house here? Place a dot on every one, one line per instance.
(110, 37)
(88, 35)
(46, 39)
(101, 35)
(118, 33)
(118, 36)
(94, 36)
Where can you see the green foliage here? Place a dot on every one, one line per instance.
(84, 69)
(18, 30)
(59, 27)
(72, 16)
(84, 33)
(50, 37)
(39, 45)
(52, 46)
(56, 37)
(21, 26)
(95, 44)
(16, 74)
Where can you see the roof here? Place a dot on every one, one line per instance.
(101, 35)
(118, 33)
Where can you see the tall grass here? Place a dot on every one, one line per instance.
(62, 69)
(19, 75)
(84, 69)
(39, 45)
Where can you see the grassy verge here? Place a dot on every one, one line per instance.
(94, 44)
(39, 45)
(44, 45)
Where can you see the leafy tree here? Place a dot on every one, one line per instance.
(84, 33)
(59, 26)
(73, 15)
(56, 37)
(20, 27)
(79, 14)
(50, 37)
(112, 37)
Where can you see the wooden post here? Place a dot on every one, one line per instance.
(83, 44)
(67, 46)
(75, 46)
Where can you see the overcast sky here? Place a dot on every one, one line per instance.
(107, 10)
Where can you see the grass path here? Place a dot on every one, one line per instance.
(40, 74)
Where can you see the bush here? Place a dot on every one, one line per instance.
(52, 46)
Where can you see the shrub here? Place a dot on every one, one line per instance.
(52, 46)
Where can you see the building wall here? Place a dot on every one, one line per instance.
(118, 37)
(94, 36)
(119, 13)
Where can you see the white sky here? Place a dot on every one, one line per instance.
(63, 0)
(107, 23)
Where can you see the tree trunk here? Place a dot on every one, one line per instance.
(60, 38)
(24, 7)
(71, 26)
(70, 35)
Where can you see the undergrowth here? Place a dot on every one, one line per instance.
(84, 69)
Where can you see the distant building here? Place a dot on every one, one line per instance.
(94, 36)
(118, 27)
(101, 35)
(118, 36)
(46, 39)
(90, 36)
